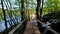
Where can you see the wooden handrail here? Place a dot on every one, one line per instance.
(48, 28)
(12, 31)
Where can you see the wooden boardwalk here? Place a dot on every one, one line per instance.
(31, 28)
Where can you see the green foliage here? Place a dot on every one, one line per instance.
(51, 6)
(0, 11)
(55, 14)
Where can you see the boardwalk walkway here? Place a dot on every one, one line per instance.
(31, 28)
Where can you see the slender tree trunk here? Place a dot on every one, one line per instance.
(4, 17)
(8, 12)
(41, 10)
(9, 9)
(22, 9)
(37, 8)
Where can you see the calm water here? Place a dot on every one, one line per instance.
(15, 19)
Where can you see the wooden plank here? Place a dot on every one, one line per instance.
(31, 28)
(12, 31)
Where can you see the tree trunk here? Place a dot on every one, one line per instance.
(41, 10)
(37, 8)
(7, 10)
(22, 9)
(4, 17)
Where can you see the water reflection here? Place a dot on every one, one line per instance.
(15, 19)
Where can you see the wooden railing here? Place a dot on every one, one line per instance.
(12, 31)
(48, 28)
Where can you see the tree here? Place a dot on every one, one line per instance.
(41, 9)
(8, 11)
(22, 9)
(4, 17)
(37, 8)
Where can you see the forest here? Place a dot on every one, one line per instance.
(13, 11)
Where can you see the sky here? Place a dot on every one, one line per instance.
(13, 1)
